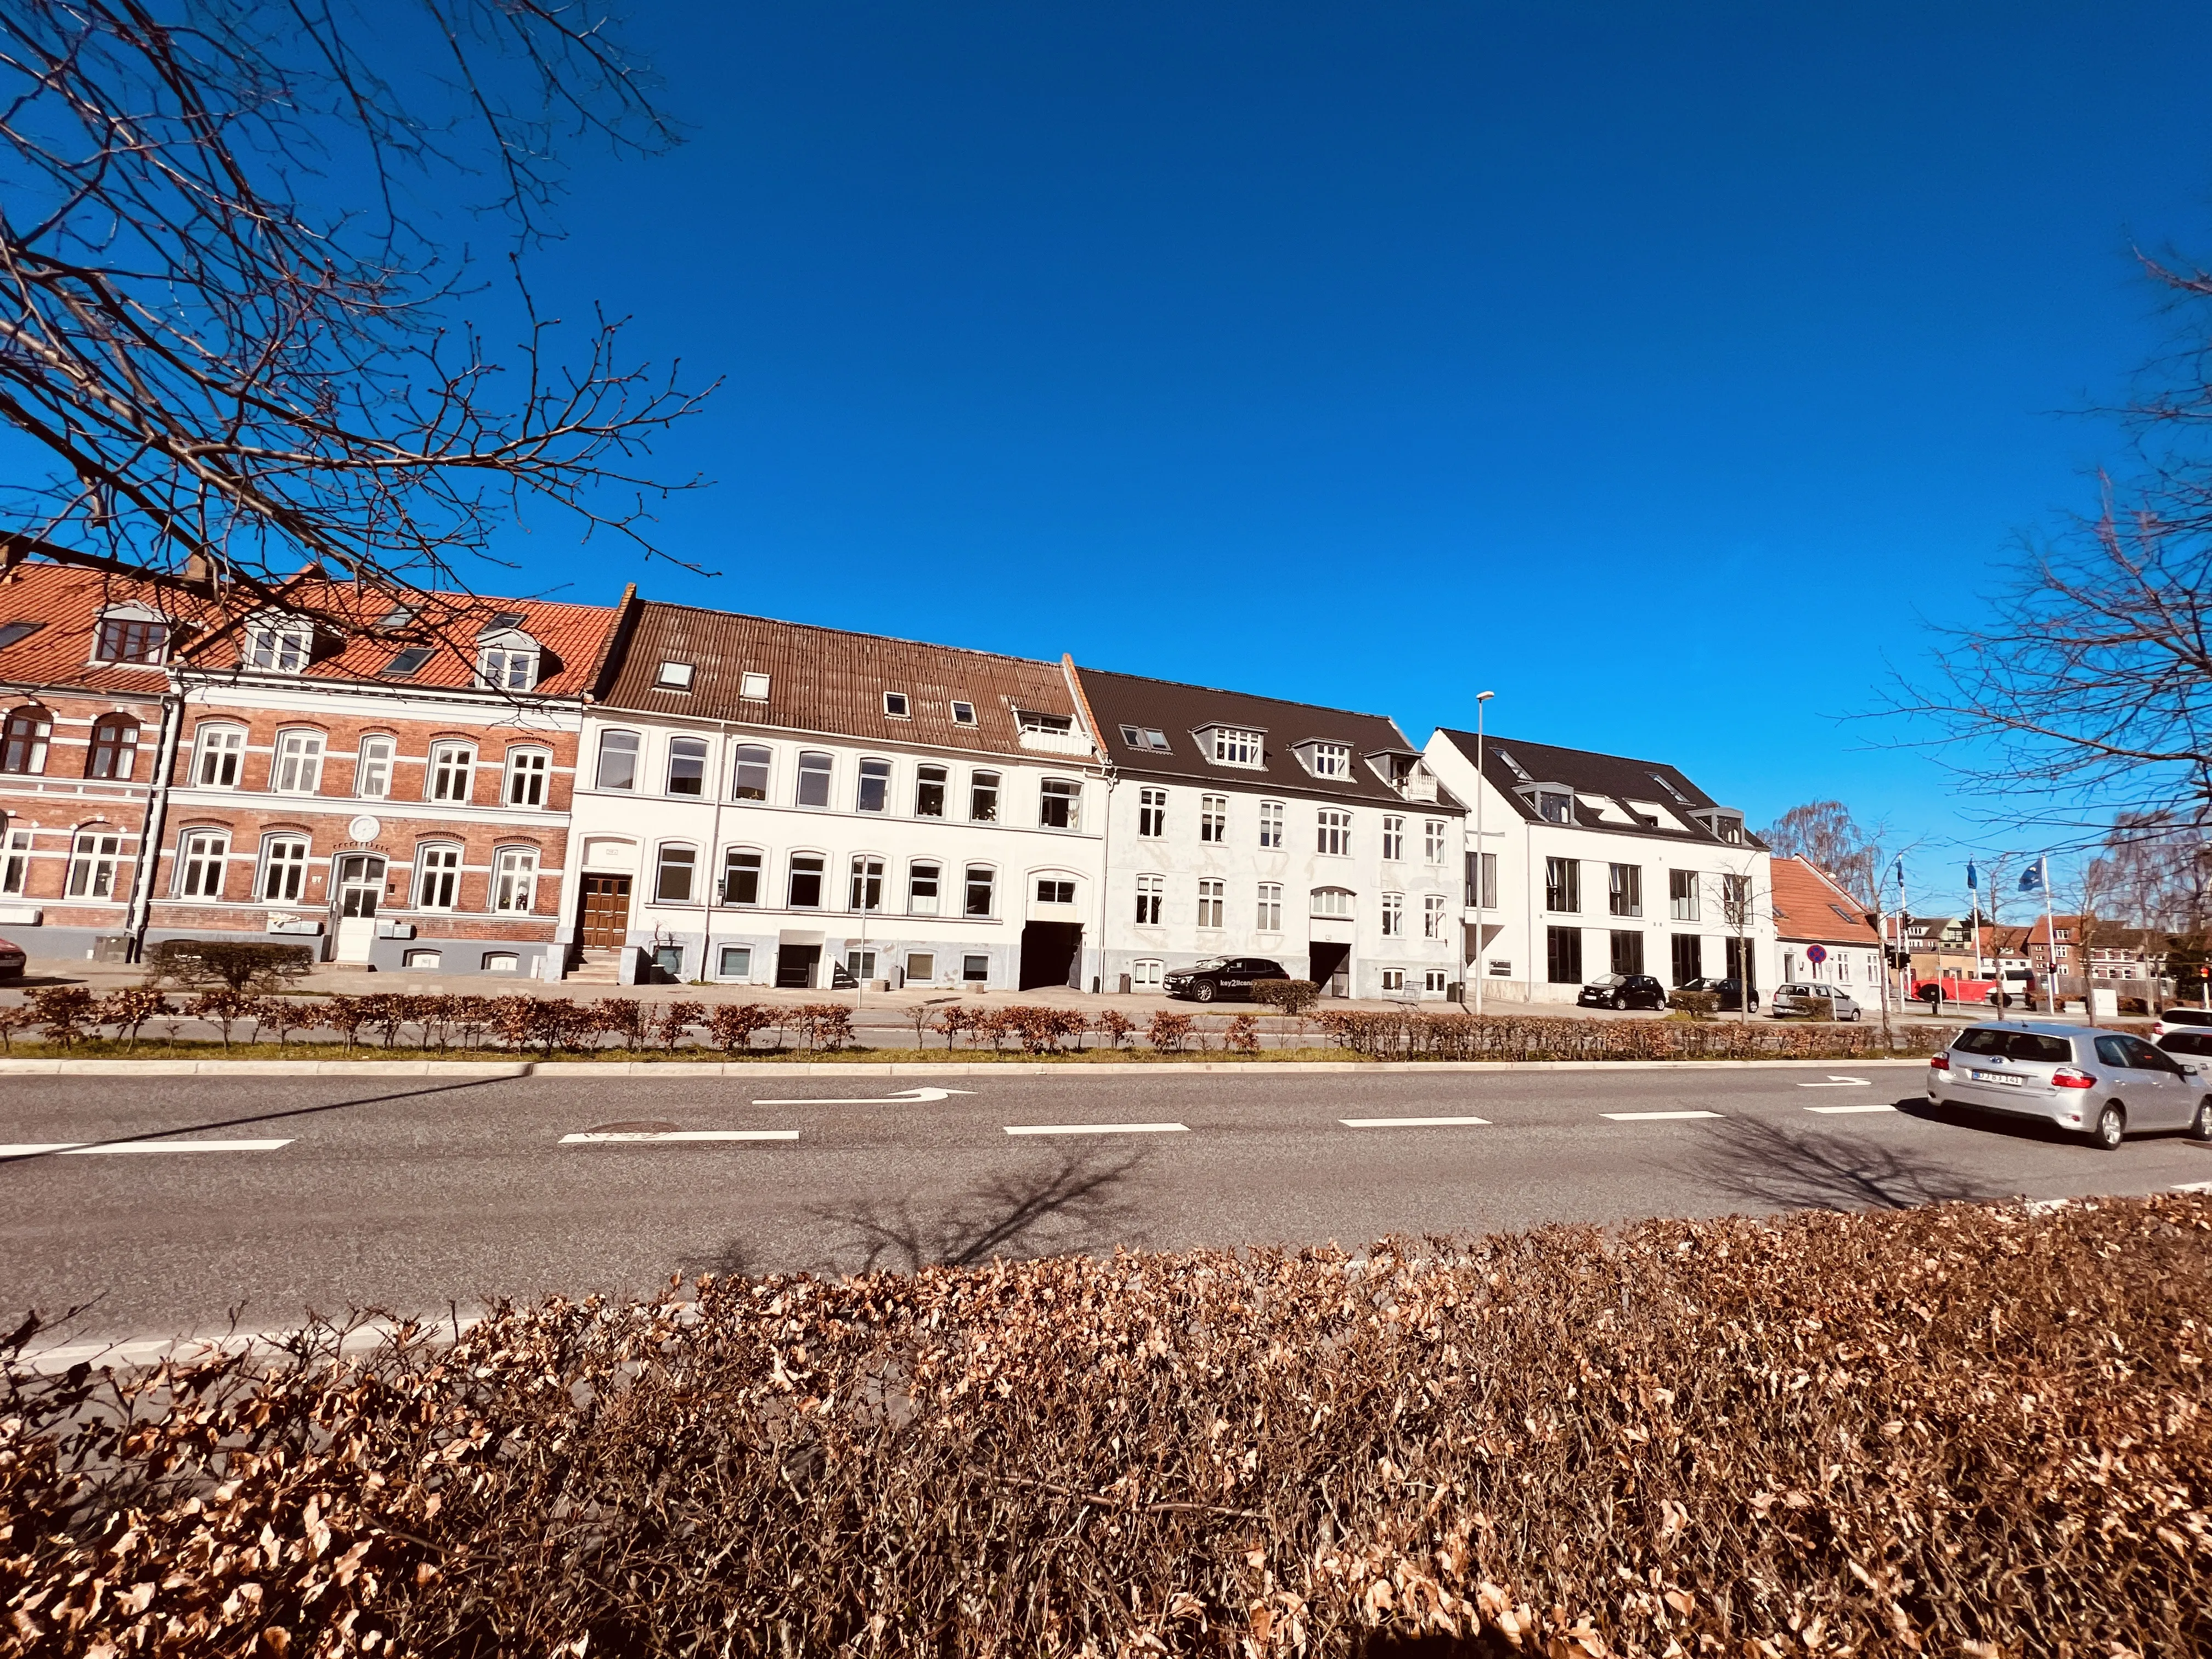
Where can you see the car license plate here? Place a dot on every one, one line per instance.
(1998, 1076)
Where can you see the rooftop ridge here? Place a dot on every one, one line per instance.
(1492, 740)
(848, 633)
(1261, 697)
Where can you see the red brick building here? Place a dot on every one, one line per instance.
(390, 777)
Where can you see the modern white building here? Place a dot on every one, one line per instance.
(1580, 865)
(766, 803)
(1239, 826)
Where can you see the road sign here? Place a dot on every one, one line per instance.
(1816, 953)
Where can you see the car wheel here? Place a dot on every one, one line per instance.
(2200, 1127)
(1201, 992)
(1619, 1003)
(2112, 1125)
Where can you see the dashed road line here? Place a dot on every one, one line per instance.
(1097, 1128)
(1411, 1123)
(2194, 1187)
(606, 1137)
(904, 1097)
(1837, 1082)
(1833, 1110)
(84, 1149)
(1652, 1117)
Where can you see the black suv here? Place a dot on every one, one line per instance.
(1730, 991)
(1221, 976)
(1623, 991)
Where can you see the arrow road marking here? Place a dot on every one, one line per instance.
(2194, 1187)
(79, 1149)
(1835, 1082)
(1833, 1110)
(600, 1137)
(1410, 1122)
(1097, 1128)
(904, 1098)
(1652, 1117)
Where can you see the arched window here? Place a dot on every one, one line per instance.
(618, 760)
(501, 961)
(371, 772)
(92, 863)
(453, 772)
(675, 874)
(299, 765)
(24, 749)
(748, 773)
(284, 868)
(805, 892)
(437, 877)
(114, 749)
(1332, 901)
(526, 772)
(514, 880)
(741, 875)
(1144, 976)
(814, 779)
(875, 792)
(867, 888)
(202, 855)
(687, 766)
(221, 749)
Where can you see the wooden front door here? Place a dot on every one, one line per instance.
(606, 910)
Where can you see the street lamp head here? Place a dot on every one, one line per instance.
(1484, 696)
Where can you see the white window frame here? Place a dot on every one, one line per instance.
(372, 769)
(872, 769)
(529, 773)
(862, 871)
(662, 864)
(1237, 746)
(1211, 903)
(1334, 902)
(447, 779)
(277, 863)
(1332, 832)
(1394, 915)
(514, 881)
(1393, 839)
(1152, 895)
(1434, 909)
(1151, 814)
(16, 873)
(827, 772)
(614, 742)
(203, 863)
(919, 903)
(507, 667)
(730, 867)
(739, 762)
(1147, 973)
(218, 745)
(94, 854)
(1432, 841)
(1214, 818)
(295, 765)
(279, 645)
(1270, 909)
(968, 883)
(437, 876)
(1069, 790)
(1329, 760)
(1393, 979)
(1271, 824)
(690, 749)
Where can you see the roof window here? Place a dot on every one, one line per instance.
(754, 686)
(16, 632)
(501, 622)
(511, 666)
(128, 637)
(673, 677)
(1670, 788)
(963, 713)
(408, 663)
(400, 615)
(1505, 759)
(1146, 737)
(896, 706)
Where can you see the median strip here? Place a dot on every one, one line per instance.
(1097, 1128)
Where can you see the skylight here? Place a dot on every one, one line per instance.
(505, 620)
(16, 632)
(407, 662)
(1505, 759)
(963, 713)
(674, 677)
(1670, 788)
(896, 705)
(754, 686)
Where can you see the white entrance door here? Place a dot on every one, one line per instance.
(360, 890)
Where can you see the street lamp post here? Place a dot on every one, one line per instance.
(1480, 698)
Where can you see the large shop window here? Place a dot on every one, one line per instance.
(1563, 955)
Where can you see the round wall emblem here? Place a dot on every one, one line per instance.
(364, 827)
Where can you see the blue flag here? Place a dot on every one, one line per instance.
(2034, 879)
(1970, 875)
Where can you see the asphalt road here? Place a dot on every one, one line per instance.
(405, 1194)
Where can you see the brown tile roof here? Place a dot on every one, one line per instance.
(829, 681)
(363, 628)
(1808, 906)
(67, 602)
(1176, 711)
(1587, 772)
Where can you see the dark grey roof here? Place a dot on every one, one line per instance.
(1615, 777)
(1177, 712)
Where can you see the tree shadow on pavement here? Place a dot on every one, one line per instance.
(1077, 1206)
(1786, 1169)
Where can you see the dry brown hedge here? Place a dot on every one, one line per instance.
(1959, 1430)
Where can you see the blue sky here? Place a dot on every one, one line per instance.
(1663, 368)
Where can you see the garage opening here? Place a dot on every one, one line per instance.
(1329, 966)
(1049, 950)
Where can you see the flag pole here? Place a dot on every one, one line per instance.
(2050, 936)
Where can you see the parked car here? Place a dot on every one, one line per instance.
(1800, 998)
(2096, 1083)
(2181, 1019)
(1623, 991)
(1730, 991)
(1221, 976)
(12, 959)
(2190, 1041)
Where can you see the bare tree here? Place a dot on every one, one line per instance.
(1742, 908)
(1824, 833)
(236, 319)
(2087, 691)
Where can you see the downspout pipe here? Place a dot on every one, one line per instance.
(151, 828)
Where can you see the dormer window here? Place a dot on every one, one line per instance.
(1327, 760)
(755, 687)
(896, 706)
(131, 636)
(1554, 807)
(508, 664)
(1725, 823)
(1056, 725)
(673, 677)
(1237, 746)
(281, 645)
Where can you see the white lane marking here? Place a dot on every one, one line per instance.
(904, 1097)
(1408, 1122)
(1835, 1082)
(1097, 1128)
(597, 1138)
(1833, 1110)
(2194, 1187)
(80, 1149)
(1652, 1117)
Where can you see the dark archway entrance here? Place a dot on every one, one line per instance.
(1048, 953)
(1325, 966)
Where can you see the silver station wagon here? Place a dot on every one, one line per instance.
(2099, 1084)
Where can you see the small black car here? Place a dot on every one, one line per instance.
(1623, 991)
(1221, 976)
(1730, 991)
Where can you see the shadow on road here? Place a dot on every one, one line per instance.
(1788, 1168)
(1075, 1207)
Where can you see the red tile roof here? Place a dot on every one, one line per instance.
(1808, 906)
(67, 603)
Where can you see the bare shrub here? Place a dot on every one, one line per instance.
(129, 1008)
(1168, 1032)
(1242, 1035)
(952, 1022)
(67, 1012)
(1115, 1026)
(223, 1008)
(732, 1026)
(624, 1019)
(676, 1020)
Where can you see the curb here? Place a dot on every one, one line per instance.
(573, 1070)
